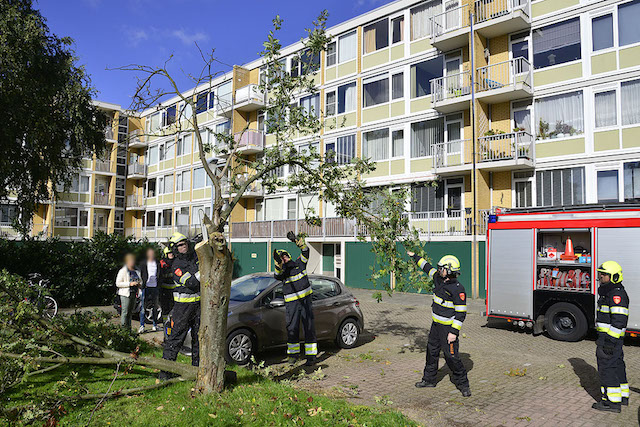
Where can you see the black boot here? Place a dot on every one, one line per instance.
(292, 360)
(606, 406)
(423, 384)
(311, 360)
(466, 391)
(625, 401)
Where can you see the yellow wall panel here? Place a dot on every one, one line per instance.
(631, 137)
(544, 7)
(567, 72)
(397, 109)
(397, 52)
(375, 59)
(630, 57)
(603, 63)
(382, 169)
(396, 167)
(421, 104)
(421, 165)
(372, 114)
(347, 68)
(420, 46)
(560, 148)
(606, 140)
(330, 74)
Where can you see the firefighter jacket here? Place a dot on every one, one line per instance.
(449, 305)
(613, 311)
(294, 276)
(186, 277)
(166, 274)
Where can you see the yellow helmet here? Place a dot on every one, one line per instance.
(166, 250)
(177, 238)
(613, 269)
(450, 262)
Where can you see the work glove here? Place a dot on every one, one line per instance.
(608, 347)
(276, 257)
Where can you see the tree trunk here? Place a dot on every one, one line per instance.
(216, 270)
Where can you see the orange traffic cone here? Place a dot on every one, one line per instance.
(568, 251)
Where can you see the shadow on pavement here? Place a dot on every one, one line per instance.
(444, 371)
(589, 379)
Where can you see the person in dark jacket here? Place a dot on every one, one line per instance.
(449, 309)
(297, 301)
(612, 316)
(186, 297)
(151, 272)
(166, 285)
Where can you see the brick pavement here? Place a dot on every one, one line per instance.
(558, 388)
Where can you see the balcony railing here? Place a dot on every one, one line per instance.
(449, 20)
(251, 94)
(444, 223)
(486, 10)
(451, 153)
(506, 146)
(504, 74)
(163, 232)
(102, 199)
(249, 140)
(135, 201)
(451, 86)
(104, 166)
(136, 138)
(137, 169)
(253, 190)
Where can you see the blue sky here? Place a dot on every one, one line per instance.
(112, 33)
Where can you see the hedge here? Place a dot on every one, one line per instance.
(81, 273)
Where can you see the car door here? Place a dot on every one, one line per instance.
(326, 305)
(274, 327)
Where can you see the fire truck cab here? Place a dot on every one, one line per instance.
(541, 265)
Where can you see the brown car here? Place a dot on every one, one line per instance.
(257, 315)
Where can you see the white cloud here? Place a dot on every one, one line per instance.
(135, 36)
(189, 39)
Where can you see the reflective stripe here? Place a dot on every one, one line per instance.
(602, 327)
(603, 393)
(620, 310)
(168, 286)
(184, 297)
(615, 332)
(422, 262)
(432, 272)
(625, 389)
(293, 348)
(603, 309)
(614, 394)
(296, 277)
(461, 308)
(456, 324)
(303, 258)
(278, 270)
(441, 319)
(311, 349)
(185, 277)
(442, 302)
(297, 295)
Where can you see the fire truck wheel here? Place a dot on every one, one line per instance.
(565, 322)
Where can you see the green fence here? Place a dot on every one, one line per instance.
(249, 258)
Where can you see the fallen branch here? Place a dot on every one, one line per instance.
(115, 376)
(127, 391)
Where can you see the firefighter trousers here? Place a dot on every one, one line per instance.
(166, 301)
(185, 316)
(298, 311)
(612, 371)
(438, 341)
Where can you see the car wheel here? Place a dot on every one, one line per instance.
(565, 322)
(240, 347)
(348, 334)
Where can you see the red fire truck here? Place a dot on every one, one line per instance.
(541, 265)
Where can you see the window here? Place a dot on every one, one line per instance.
(212, 99)
(376, 92)
(397, 29)
(323, 289)
(170, 116)
(602, 32)
(66, 217)
(150, 219)
(376, 36)
(630, 102)
(183, 181)
(166, 217)
(84, 219)
(224, 128)
(185, 111)
(397, 143)
(556, 44)
(8, 213)
(311, 104)
(520, 46)
(225, 94)
(308, 205)
(347, 98)
(332, 54)
(184, 145)
(151, 187)
(420, 22)
(84, 184)
(291, 209)
(628, 17)
(169, 151)
(523, 189)
(342, 150)
(331, 103)
(347, 47)
(397, 86)
(195, 213)
(201, 102)
(559, 116)
(305, 64)
(608, 186)
(632, 182)
(155, 121)
(421, 75)
(152, 155)
(375, 144)
(199, 176)
(424, 135)
(605, 109)
(273, 208)
(560, 187)
(427, 197)
(168, 184)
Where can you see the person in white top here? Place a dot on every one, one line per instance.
(150, 269)
(128, 281)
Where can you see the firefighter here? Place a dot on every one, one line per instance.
(611, 322)
(186, 300)
(297, 298)
(449, 310)
(166, 285)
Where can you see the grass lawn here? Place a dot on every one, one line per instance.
(254, 400)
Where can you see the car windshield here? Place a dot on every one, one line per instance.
(247, 288)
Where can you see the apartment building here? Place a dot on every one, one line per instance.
(511, 103)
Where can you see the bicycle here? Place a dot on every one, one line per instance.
(47, 305)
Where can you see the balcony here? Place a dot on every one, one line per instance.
(136, 171)
(250, 98)
(450, 29)
(249, 142)
(452, 157)
(451, 93)
(137, 139)
(104, 166)
(253, 190)
(162, 232)
(497, 17)
(103, 199)
(224, 106)
(108, 133)
(506, 151)
(504, 81)
(135, 203)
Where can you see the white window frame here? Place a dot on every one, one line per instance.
(613, 11)
(614, 87)
(604, 167)
(389, 144)
(337, 103)
(404, 141)
(391, 19)
(526, 38)
(389, 76)
(337, 41)
(388, 35)
(514, 180)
